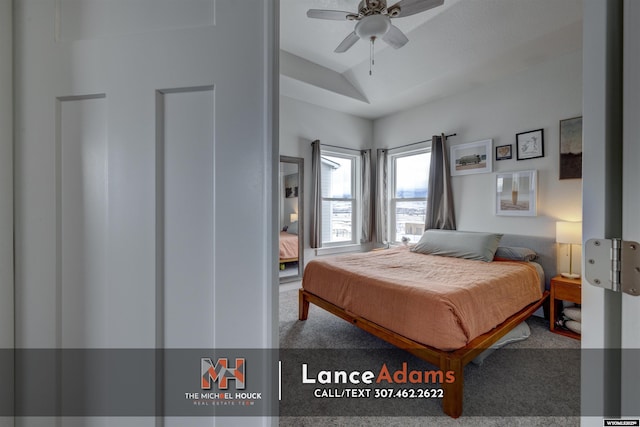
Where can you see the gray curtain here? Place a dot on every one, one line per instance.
(365, 189)
(381, 204)
(315, 240)
(440, 212)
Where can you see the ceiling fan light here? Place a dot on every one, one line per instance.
(373, 26)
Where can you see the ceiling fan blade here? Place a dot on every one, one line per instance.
(349, 41)
(411, 7)
(334, 15)
(395, 37)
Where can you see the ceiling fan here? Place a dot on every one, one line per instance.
(374, 20)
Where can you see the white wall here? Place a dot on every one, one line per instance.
(302, 123)
(538, 97)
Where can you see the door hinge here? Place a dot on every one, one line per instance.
(613, 264)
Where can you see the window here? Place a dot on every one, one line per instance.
(409, 187)
(339, 198)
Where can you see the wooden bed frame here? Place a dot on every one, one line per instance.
(446, 360)
(283, 261)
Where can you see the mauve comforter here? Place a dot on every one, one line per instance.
(442, 302)
(288, 246)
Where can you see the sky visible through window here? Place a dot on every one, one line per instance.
(337, 214)
(411, 174)
(340, 178)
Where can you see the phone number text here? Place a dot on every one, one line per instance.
(379, 393)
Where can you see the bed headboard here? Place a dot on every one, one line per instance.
(545, 247)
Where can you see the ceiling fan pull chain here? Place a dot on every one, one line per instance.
(373, 51)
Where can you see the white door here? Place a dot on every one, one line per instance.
(143, 165)
(611, 202)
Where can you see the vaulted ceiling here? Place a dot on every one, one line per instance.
(451, 48)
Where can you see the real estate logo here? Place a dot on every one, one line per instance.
(221, 372)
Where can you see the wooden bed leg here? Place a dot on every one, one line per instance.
(303, 306)
(453, 392)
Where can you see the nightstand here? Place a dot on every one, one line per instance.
(564, 289)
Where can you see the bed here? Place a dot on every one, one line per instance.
(288, 247)
(446, 304)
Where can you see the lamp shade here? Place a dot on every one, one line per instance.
(293, 217)
(569, 232)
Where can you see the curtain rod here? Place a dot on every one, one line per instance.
(416, 143)
(394, 148)
(342, 148)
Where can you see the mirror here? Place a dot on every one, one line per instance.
(291, 240)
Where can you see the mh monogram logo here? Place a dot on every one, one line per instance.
(221, 372)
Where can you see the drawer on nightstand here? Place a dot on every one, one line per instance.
(567, 292)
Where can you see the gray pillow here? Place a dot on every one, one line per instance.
(459, 244)
(573, 326)
(519, 333)
(573, 313)
(516, 253)
(293, 228)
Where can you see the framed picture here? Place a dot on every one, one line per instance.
(503, 152)
(470, 158)
(571, 148)
(291, 186)
(530, 145)
(517, 193)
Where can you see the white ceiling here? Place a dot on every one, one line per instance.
(455, 47)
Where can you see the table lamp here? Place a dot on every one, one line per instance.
(293, 217)
(569, 233)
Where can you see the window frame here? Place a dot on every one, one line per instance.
(356, 198)
(392, 200)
